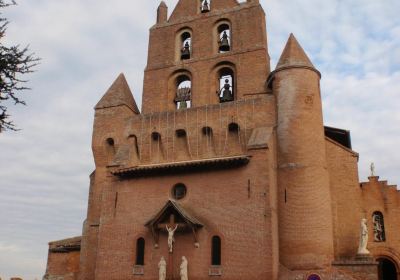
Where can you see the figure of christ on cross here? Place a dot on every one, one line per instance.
(171, 239)
(171, 228)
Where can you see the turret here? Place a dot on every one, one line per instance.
(305, 225)
(113, 108)
(162, 13)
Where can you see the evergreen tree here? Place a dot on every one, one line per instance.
(14, 62)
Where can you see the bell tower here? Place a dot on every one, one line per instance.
(207, 52)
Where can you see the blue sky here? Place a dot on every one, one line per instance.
(84, 45)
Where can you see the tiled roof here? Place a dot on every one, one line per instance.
(183, 166)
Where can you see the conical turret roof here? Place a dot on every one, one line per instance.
(293, 55)
(118, 94)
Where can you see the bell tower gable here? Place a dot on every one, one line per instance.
(187, 8)
(206, 57)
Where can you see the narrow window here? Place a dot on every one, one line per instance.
(183, 92)
(379, 227)
(140, 251)
(224, 38)
(216, 250)
(226, 85)
(110, 149)
(186, 45)
(205, 6)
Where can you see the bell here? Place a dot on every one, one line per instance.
(224, 43)
(205, 8)
(185, 52)
(227, 95)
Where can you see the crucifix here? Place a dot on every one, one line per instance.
(171, 227)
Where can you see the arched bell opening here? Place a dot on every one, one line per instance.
(226, 80)
(186, 45)
(205, 6)
(387, 269)
(224, 38)
(183, 98)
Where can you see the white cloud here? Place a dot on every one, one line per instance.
(44, 168)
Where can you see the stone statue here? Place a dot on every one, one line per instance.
(162, 269)
(362, 248)
(171, 239)
(372, 170)
(184, 269)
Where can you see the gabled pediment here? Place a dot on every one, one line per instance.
(173, 214)
(180, 215)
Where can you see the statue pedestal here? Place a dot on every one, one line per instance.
(362, 266)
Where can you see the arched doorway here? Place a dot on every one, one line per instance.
(387, 269)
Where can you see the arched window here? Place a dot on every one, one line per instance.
(216, 250)
(226, 84)
(224, 38)
(205, 6)
(183, 97)
(379, 227)
(186, 45)
(140, 251)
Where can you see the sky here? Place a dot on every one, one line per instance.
(84, 45)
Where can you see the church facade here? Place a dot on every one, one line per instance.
(227, 171)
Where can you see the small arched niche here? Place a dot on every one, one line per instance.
(207, 142)
(134, 149)
(183, 96)
(181, 145)
(205, 6)
(233, 141)
(157, 149)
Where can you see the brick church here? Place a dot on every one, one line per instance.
(227, 171)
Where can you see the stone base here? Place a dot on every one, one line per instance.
(360, 267)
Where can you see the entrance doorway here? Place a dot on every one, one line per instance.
(387, 269)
